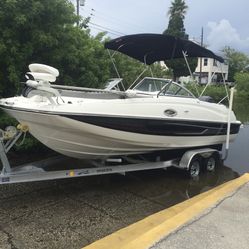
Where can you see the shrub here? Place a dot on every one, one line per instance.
(217, 92)
(242, 84)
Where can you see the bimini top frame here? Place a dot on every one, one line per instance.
(149, 48)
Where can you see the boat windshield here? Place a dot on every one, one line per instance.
(151, 85)
(175, 89)
(161, 87)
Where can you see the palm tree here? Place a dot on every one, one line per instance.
(178, 8)
(177, 12)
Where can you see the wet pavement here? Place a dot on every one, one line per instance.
(73, 213)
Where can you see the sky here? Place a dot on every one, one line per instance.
(225, 22)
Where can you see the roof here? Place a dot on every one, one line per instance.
(149, 48)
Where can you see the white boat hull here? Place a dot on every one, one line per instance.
(83, 140)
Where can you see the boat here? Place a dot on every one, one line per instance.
(153, 115)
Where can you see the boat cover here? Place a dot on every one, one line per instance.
(149, 48)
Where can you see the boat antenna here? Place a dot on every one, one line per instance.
(191, 74)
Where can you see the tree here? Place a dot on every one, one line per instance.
(44, 31)
(177, 13)
(178, 7)
(237, 61)
(242, 84)
(26, 32)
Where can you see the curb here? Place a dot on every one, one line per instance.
(145, 233)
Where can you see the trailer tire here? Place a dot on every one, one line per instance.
(194, 168)
(212, 162)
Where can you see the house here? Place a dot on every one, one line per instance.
(210, 70)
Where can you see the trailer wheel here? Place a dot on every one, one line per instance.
(194, 167)
(211, 163)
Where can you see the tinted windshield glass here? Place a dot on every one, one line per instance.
(151, 85)
(175, 89)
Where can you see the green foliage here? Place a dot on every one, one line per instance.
(237, 61)
(83, 62)
(35, 31)
(160, 72)
(129, 69)
(45, 32)
(176, 27)
(217, 92)
(242, 84)
(6, 120)
(177, 13)
(29, 31)
(240, 110)
(29, 144)
(180, 68)
(178, 7)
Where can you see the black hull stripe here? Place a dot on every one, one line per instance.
(148, 126)
(158, 127)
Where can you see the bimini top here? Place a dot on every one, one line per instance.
(149, 48)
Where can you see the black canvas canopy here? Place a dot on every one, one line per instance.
(149, 48)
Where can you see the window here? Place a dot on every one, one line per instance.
(205, 61)
(215, 63)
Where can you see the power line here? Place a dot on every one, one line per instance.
(103, 30)
(95, 25)
(91, 14)
(103, 27)
(113, 18)
(101, 14)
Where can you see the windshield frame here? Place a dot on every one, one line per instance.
(168, 83)
(167, 86)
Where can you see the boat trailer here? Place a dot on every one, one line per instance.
(192, 161)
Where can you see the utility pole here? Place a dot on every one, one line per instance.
(78, 7)
(200, 75)
(78, 4)
(78, 10)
